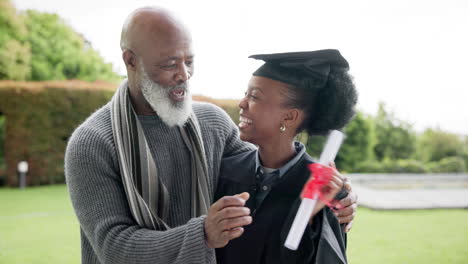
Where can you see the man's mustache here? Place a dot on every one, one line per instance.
(184, 86)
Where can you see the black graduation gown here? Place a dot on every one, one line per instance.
(263, 241)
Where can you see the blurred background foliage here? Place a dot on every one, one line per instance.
(36, 118)
(38, 46)
(385, 144)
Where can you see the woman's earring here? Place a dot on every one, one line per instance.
(282, 128)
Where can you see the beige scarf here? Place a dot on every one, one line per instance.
(146, 194)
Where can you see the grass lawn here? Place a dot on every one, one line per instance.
(409, 237)
(38, 225)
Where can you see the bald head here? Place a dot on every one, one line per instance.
(149, 24)
(151, 36)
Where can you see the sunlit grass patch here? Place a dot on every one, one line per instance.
(38, 225)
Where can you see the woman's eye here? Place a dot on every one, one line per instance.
(250, 96)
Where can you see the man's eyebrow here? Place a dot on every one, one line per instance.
(170, 58)
(175, 58)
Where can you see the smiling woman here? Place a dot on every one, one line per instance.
(291, 92)
(261, 110)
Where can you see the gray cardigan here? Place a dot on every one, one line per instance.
(109, 234)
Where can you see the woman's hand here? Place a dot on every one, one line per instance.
(329, 191)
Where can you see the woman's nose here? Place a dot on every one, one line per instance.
(243, 103)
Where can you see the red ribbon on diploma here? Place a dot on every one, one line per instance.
(320, 176)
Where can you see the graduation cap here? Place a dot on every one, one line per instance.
(308, 69)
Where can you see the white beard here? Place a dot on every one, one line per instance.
(171, 113)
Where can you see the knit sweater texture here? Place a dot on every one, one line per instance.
(109, 234)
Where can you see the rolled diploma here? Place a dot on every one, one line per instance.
(307, 205)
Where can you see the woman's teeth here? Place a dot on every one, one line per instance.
(244, 122)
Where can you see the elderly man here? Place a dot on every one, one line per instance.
(142, 170)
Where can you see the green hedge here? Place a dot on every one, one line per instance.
(448, 164)
(406, 166)
(39, 118)
(392, 166)
(369, 166)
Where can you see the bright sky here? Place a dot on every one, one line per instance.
(412, 55)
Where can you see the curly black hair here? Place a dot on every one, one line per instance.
(331, 107)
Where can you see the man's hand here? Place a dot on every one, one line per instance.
(225, 220)
(346, 207)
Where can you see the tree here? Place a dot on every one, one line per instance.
(435, 144)
(395, 138)
(15, 53)
(39, 46)
(357, 146)
(59, 53)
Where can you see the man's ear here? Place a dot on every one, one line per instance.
(129, 59)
